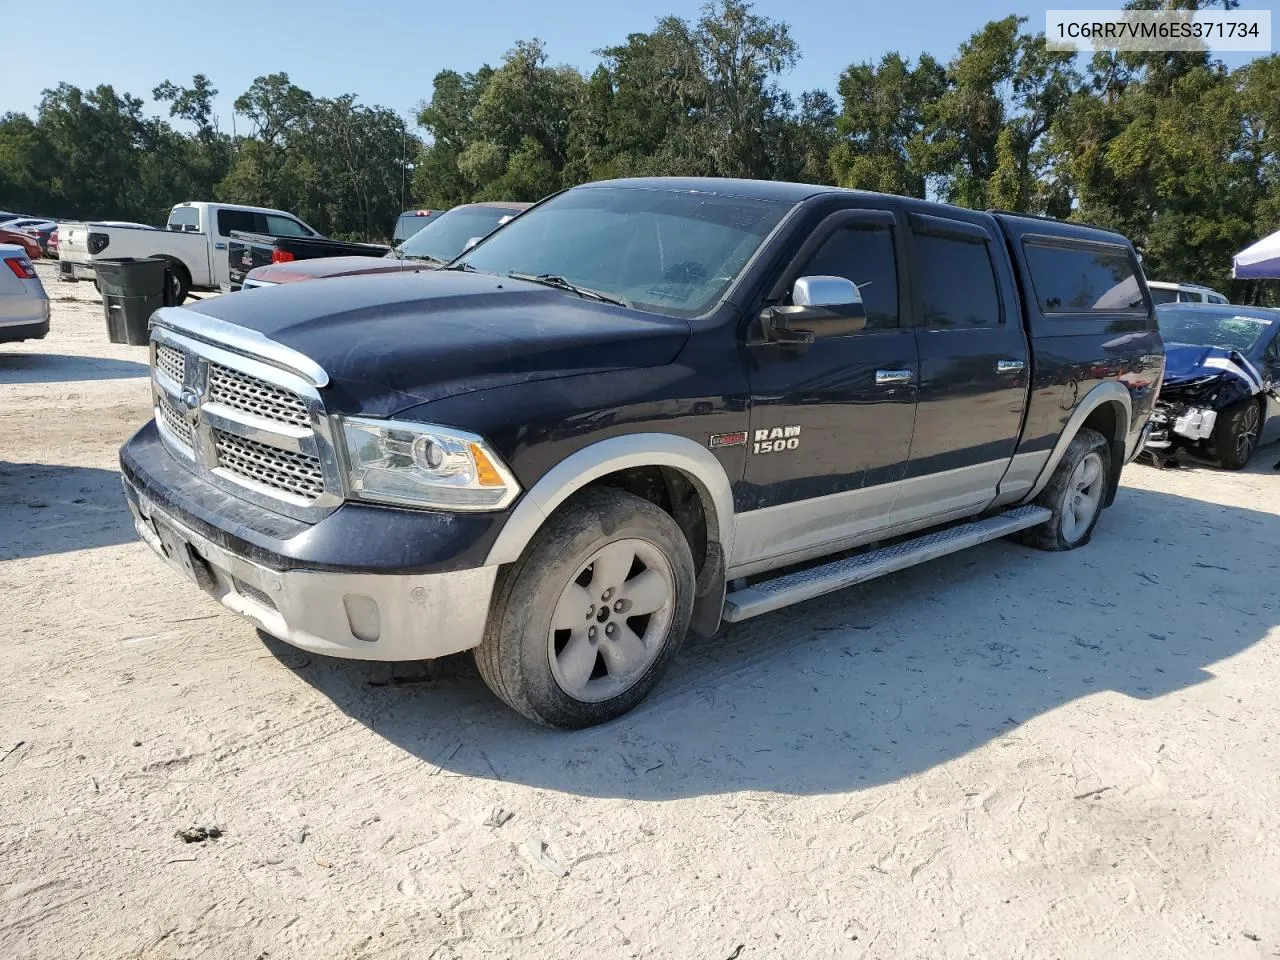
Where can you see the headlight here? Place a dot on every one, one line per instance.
(421, 465)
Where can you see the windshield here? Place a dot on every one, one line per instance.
(1226, 330)
(446, 236)
(672, 252)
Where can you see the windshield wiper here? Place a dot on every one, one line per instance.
(464, 267)
(422, 256)
(560, 283)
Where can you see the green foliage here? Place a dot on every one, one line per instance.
(1173, 149)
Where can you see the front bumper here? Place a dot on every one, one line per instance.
(1180, 424)
(365, 583)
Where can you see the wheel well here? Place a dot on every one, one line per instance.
(177, 265)
(679, 495)
(1108, 418)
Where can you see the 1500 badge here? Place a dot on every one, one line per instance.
(776, 440)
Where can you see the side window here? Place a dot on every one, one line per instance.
(1163, 295)
(1083, 277)
(1273, 351)
(957, 283)
(1187, 296)
(1217, 298)
(865, 256)
(279, 226)
(229, 220)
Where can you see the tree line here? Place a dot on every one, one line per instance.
(1175, 150)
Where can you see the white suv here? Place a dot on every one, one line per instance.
(1164, 292)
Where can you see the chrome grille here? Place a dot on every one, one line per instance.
(240, 391)
(294, 473)
(178, 425)
(171, 363)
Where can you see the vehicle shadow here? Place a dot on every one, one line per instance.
(47, 509)
(877, 682)
(59, 368)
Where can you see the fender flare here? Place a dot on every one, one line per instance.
(609, 456)
(1109, 391)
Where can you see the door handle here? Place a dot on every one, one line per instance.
(1009, 366)
(893, 376)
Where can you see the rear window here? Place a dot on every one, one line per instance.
(184, 218)
(410, 223)
(1083, 277)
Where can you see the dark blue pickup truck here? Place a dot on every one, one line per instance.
(643, 407)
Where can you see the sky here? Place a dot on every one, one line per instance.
(388, 51)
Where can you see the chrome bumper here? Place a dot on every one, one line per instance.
(359, 616)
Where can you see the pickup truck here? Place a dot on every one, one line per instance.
(248, 251)
(195, 240)
(640, 408)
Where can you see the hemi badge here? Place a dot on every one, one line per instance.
(728, 440)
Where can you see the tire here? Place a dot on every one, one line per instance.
(1074, 494)
(1236, 432)
(181, 284)
(604, 548)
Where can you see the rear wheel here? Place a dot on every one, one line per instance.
(585, 623)
(1074, 494)
(1235, 434)
(179, 283)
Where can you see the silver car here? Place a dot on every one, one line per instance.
(24, 306)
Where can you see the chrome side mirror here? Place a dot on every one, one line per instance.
(820, 307)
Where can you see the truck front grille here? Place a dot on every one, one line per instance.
(237, 390)
(178, 425)
(293, 473)
(245, 415)
(170, 362)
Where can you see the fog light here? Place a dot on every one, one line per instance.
(362, 615)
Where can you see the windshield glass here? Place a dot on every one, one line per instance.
(672, 252)
(446, 236)
(1226, 330)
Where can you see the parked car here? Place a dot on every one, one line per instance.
(1164, 292)
(440, 241)
(195, 240)
(643, 406)
(252, 250)
(29, 244)
(24, 306)
(1218, 399)
(42, 230)
(6, 216)
(410, 222)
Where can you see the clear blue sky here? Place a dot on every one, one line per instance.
(387, 51)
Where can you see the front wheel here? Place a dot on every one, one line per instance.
(584, 624)
(1235, 434)
(1074, 494)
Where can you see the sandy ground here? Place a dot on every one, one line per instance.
(1002, 754)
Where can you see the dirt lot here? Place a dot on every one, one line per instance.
(1001, 754)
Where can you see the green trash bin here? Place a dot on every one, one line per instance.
(132, 290)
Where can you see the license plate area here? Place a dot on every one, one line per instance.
(184, 556)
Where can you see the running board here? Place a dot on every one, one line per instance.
(770, 595)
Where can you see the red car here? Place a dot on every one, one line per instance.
(27, 242)
(434, 245)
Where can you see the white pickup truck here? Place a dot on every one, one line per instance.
(195, 239)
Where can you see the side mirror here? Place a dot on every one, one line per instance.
(820, 307)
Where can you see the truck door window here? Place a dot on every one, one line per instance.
(229, 220)
(279, 226)
(957, 283)
(1082, 277)
(865, 256)
(1163, 295)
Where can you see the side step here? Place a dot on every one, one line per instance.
(770, 595)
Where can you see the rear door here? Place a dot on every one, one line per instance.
(974, 369)
(225, 222)
(831, 420)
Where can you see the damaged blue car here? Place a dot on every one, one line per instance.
(1222, 365)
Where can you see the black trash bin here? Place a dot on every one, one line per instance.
(132, 290)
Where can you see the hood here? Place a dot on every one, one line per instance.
(1187, 363)
(389, 341)
(297, 270)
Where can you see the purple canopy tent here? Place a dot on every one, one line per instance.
(1260, 261)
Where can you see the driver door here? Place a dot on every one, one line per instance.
(831, 421)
